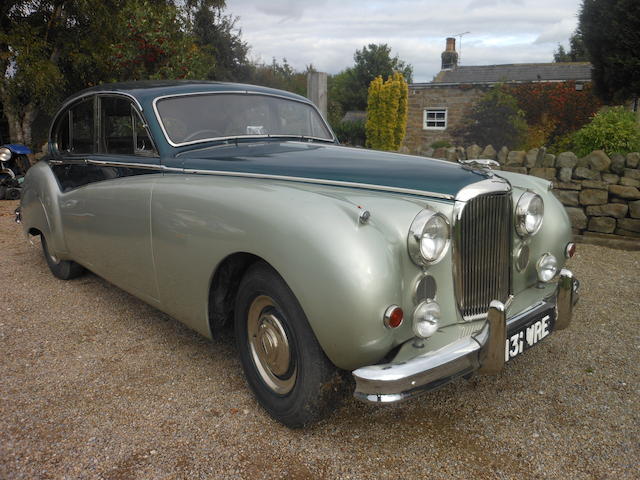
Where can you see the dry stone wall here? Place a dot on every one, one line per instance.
(601, 193)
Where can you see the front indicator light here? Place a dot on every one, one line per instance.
(426, 319)
(547, 267)
(393, 317)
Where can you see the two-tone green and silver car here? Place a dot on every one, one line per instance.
(226, 204)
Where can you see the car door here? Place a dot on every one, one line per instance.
(107, 192)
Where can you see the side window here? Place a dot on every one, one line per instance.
(123, 131)
(82, 127)
(117, 126)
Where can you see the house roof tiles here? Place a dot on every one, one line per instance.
(517, 72)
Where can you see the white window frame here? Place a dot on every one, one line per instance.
(435, 110)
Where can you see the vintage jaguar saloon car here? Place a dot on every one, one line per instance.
(224, 204)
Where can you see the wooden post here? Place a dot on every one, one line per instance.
(317, 90)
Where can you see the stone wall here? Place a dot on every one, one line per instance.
(456, 99)
(601, 193)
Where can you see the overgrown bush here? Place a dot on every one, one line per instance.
(494, 120)
(613, 130)
(553, 110)
(351, 133)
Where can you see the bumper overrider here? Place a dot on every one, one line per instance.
(483, 352)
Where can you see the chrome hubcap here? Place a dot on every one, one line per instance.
(269, 345)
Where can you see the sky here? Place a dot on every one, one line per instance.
(326, 33)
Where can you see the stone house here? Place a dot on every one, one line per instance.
(436, 108)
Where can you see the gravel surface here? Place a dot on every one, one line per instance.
(96, 384)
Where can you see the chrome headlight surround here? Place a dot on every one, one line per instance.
(547, 267)
(529, 214)
(429, 236)
(5, 154)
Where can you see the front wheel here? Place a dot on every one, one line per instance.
(62, 269)
(284, 364)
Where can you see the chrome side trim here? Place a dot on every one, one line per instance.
(317, 181)
(237, 92)
(285, 178)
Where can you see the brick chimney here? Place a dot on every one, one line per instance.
(450, 56)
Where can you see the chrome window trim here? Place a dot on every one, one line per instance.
(237, 92)
(53, 144)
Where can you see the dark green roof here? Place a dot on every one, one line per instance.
(149, 89)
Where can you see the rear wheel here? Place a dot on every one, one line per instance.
(63, 269)
(284, 364)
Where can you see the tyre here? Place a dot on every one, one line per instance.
(3, 190)
(282, 360)
(12, 194)
(63, 269)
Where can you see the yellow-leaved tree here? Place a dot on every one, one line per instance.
(387, 112)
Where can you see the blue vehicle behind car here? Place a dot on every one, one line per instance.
(14, 164)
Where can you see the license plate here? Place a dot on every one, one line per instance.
(528, 335)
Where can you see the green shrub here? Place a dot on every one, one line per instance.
(351, 133)
(494, 120)
(441, 144)
(613, 130)
(387, 112)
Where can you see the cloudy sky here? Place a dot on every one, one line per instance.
(326, 33)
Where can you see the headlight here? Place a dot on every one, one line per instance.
(428, 237)
(547, 267)
(529, 213)
(5, 154)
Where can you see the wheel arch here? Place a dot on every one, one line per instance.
(223, 288)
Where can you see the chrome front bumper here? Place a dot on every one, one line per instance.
(484, 351)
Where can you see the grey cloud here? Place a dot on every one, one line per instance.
(327, 33)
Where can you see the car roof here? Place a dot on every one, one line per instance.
(149, 89)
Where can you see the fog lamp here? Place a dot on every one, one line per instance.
(547, 267)
(425, 319)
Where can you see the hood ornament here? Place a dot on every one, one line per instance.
(483, 163)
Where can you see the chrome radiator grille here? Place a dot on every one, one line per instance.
(482, 259)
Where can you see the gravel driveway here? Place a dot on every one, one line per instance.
(96, 384)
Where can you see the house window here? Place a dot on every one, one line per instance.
(435, 119)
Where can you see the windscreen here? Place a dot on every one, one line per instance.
(192, 118)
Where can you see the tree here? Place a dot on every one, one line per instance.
(51, 48)
(577, 51)
(350, 87)
(494, 120)
(216, 34)
(43, 50)
(386, 112)
(150, 45)
(611, 32)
